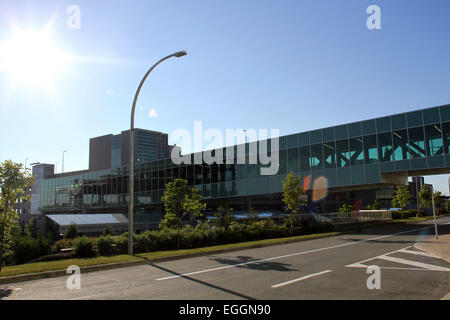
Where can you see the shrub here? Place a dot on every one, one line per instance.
(109, 231)
(105, 245)
(84, 247)
(26, 248)
(122, 243)
(71, 232)
(62, 244)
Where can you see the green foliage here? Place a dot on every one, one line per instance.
(62, 244)
(447, 206)
(438, 200)
(375, 206)
(224, 217)
(345, 208)
(109, 231)
(25, 248)
(252, 216)
(15, 183)
(31, 229)
(71, 232)
(105, 245)
(292, 193)
(402, 197)
(425, 197)
(84, 247)
(180, 200)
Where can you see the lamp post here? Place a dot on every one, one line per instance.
(131, 176)
(62, 169)
(434, 213)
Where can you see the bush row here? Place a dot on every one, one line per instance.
(26, 248)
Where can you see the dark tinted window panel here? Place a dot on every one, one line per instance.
(341, 132)
(316, 158)
(370, 149)
(398, 122)
(354, 129)
(328, 134)
(303, 139)
(329, 154)
(292, 141)
(344, 176)
(283, 142)
(316, 136)
(385, 151)
(434, 142)
(431, 116)
(372, 173)
(358, 175)
(283, 162)
(436, 162)
(342, 154)
(414, 119)
(368, 127)
(416, 143)
(445, 113)
(293, 160)
(446, 135)
(384, 124)
(356, 151)
(304, 158)
(401, 150)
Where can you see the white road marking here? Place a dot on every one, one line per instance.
(385, 256)
(290, 255)
(360, 264)
(420, 253)
(414, 263)
(300, 279)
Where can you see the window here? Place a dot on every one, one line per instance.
(342, 153)
(433, 135)
(416, 143)
(316, 159)
(293, 160)
(356, 151)
(385, 147)
(304, 159)
(370, 149)
(446, 134)
(400, 145)
(329, 154)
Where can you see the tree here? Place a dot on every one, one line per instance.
(31, 229)
(180, 200)
(402, 197)
(224, 217)
(293, 195)
(424, 197)
(15, 183)
(438, 201)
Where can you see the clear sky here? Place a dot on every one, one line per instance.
(295, 65)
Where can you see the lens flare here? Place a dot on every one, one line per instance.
(320, 189)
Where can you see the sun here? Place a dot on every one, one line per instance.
(31, 57)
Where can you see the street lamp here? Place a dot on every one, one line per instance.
(434, 213)
(131, 176)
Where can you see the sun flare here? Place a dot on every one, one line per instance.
(31, 57)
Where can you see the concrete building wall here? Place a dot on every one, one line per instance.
(100, 153)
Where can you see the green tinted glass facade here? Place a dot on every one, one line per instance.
(347, 155)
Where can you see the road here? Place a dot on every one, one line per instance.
(329, 268)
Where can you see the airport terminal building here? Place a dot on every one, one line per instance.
(358, 162)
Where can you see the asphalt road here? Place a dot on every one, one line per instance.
(329, 268)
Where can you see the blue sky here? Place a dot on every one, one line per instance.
(295, 65)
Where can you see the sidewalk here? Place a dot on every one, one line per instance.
(439, 247)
